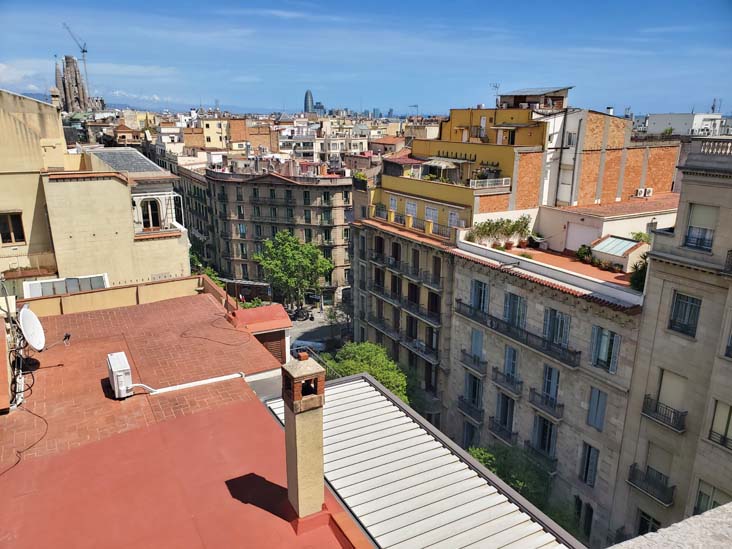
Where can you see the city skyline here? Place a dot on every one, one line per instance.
(643, 57)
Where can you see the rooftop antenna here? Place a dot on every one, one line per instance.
(714, 105)
(83, 49)
(495, 86)
(416, 109)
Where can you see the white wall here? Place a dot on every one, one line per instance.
(685, 123)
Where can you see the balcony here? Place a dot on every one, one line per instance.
(474, 362)
(430, 317)
(720, 439)
(383, 326)
(567, 356)
(326, 222)
(546, 404)
(652, 483)
(500, 431)
(380, 212)
(507, 382)
(666, 415)
(391, 297)
(378, 258)
(542, 458)
(499, 185)
(419, 347)
(470, 409)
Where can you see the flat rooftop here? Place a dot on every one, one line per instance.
(125, 159)
(199, 467)
(661, 202)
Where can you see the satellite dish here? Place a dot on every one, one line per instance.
(31, 328)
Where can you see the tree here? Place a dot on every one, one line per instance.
(339, 318)
(640, 236)
(357, 358)
(638, 274)
(292, 267)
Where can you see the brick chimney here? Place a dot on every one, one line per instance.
(303, 384)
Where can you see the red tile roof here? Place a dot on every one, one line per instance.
(200, 467)
(388, 140)
(263, 319)
(633, 206)
(402, 160)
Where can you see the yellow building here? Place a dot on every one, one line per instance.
(215, 132)
(66, 222)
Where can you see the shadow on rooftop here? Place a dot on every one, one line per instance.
(253, 489)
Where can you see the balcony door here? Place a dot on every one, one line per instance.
(479, 295)
(550, 385)
(476, 343)
(671, 390)
(415, 259)
(504, 411)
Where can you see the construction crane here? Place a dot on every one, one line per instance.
(83, 49)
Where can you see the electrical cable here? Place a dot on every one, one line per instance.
(19, 453)
(228, 328)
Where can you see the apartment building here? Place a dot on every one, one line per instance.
(542, 358)
(324, 140)
(249, 208)
(73, 222)
(675, 459)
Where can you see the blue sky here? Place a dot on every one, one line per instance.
(654, 56)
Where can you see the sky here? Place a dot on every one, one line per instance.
(649, 55)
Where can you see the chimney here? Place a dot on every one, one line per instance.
(303, 385)
(609, 110)
(55, 97)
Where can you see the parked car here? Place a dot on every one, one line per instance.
(303, 345)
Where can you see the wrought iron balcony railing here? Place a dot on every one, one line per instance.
(427, 352)
(544, 459)
(501, 431)
(653, 483)
(471, 409)
(671, 417)
(474, 362)
(509, 382)
(382, 325)
(565, 355)
(546, 403)
(720, 439)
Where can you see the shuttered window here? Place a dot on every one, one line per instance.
(590, 457)
(514, 310)
(556, 327)
(596, 412)
(604, 349)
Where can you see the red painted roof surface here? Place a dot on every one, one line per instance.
(404, 160)
(571, 263)
(200, 467)
(263, 319)
(633, 206)
(388, 140)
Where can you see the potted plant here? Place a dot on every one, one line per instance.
(584, 253)
(605, 265)
(521, 227)
(595, 261)
(617, 268)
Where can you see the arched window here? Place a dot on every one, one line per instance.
(150, 214)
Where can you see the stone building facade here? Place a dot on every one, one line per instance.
(534, 366)
(677, 445)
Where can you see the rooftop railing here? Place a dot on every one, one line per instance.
(498, 183)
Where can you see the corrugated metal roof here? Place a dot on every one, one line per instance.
(614, 245)
(405, 485)
(124, 159)
(537, 91)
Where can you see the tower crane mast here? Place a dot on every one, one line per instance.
(82, 47)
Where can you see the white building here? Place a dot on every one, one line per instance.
(706, 124)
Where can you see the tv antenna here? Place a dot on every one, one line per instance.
(495, 86)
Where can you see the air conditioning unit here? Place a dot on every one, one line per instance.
(120, 375)
(640, 193)
(649, 191)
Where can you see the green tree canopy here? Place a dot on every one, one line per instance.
(292, 267)
(357, 358)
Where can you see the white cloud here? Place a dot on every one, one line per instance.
(129, 95)
(23, 72)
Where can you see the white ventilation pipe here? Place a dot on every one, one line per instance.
(188, 385)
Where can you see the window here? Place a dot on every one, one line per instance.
(258, 248)
(272, 193)
(431, 214)
(647, 524)
(510, 363)
(363, 334)
(291, 230)
(273, 230)
(411, 208)
(363, 211)
(242, 230)
(255, 192)
(346, 197)
(290, 213)
(207, 125)
(257, 230)
(570, 139)
(684, 314)
(700, 230)
(257, 211)
(242, 250)
(709, 497)
(596, 412)
(473, 390)
(479, 295)
(240, 211)
(544, 436)
(208, 139)
(11, 228)
(469, 434)
(308, 216)
(556, 327)
(604, 349)
(721, 433)
(273, 212)
(504, 411)
(514, 310)
(288, 194)
(476, 343)
(550, 383)
(327, 253)
(326, 198)
(453, 220)
(327, 236)
(392, 203)
(245, 272)
(150, 214)
(588, 470)
(346, 234)
(430, 378)
(306, 198)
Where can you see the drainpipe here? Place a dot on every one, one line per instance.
(574, 162)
